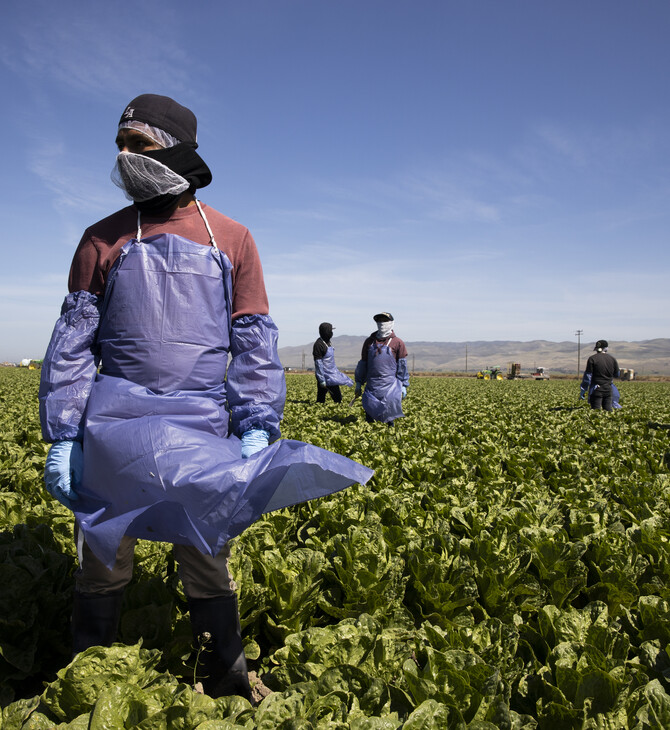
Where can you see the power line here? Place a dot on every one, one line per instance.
(579, 334)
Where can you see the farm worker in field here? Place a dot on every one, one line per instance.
(328, 377)
(168, 441)
(383, 370)
(601, 369)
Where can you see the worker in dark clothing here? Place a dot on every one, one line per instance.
(328, 377)
(601, 369)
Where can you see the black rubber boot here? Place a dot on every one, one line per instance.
(222, 666)
(95, 619)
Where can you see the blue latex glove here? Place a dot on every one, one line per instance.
(582, 393)
(63, 470)
(404, 392)
(322, 383)
(359, 388)
(253, 441)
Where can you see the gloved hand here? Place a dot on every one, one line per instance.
(63, 470)
(404, 392)
(359, 388)
(582, 393)
(253, 441)
(322, 383)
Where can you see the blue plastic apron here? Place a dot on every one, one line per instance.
(332, 375)
(382, 397)
(158, 461)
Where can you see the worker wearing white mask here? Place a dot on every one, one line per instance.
(383, 370)
(155, 434)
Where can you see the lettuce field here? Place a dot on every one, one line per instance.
(506, 567)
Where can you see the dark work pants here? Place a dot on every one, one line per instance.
(201, 575)
(208, 586)
(334, 391)
(601, 398)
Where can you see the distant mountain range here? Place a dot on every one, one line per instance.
(647, 357)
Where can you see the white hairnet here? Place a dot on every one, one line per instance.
(143, 178)
(158, 135)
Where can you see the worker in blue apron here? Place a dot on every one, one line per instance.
(328, 377)
(154, 433)
(383, 371)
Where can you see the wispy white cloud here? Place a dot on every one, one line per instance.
(449, 198)
(98, 49)
(484, 247)
(563, 143)
(73, 181)
(36, 289)
(321, 215)
(29, 308)
(411, 195)
(458, 298)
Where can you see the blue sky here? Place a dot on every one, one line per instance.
(485, 170)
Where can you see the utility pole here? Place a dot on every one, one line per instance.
(412, 363)
(303, 360)
(466, 357)
(579, 334)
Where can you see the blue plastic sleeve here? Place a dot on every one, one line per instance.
(361, 373)
(256, 386)
(402, 373)
(69, 368)
(318, 370)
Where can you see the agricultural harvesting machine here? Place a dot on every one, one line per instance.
(492, 372)
(514, 373)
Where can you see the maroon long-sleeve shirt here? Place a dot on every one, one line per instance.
(101, 244)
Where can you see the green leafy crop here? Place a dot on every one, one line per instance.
(508, 566)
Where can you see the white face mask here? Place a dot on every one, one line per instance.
(384, 329)
(143, 178)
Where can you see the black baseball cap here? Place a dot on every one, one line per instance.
(164, 113)
(383, 317)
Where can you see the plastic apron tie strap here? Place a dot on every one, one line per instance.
(212, 242)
